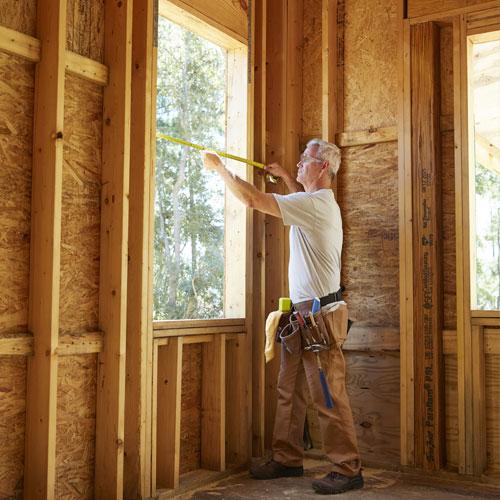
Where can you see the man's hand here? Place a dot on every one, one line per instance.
(211, 160)
(277, 170)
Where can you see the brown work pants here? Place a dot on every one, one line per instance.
(337, 425)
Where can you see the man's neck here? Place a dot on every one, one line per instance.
(316, 186)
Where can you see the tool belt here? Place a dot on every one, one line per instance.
(314, 332)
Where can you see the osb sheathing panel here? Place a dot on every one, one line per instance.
(373, 388)
(451, 409)
(79, 304)
(191, 408)
(311, 69)
(448, 182)
(368, 192)
(370, 64)
(19, 15)
(85, 28)
(12, 425)
(75, 435)
(16, 135)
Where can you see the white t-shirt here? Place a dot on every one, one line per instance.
(315, 243)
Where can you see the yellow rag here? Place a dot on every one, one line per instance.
(272, 322)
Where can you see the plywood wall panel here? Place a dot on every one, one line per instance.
(448, 181)
(311, 69)
(80, 236)
(191, 408)
(85, 28)
(492, 377)
(370, 64)
(451, 413)
(368, 193)
(373, 387)
(75, 436)
(19, 15)
(12, 425)
(16, 135)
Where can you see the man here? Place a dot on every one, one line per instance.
(314, 271)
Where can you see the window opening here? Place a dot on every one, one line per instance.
(484, 168)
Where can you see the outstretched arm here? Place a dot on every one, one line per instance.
(248, 194)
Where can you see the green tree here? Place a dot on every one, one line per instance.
(189, 217)
(488, 242)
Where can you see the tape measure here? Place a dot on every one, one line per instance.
(257, 164)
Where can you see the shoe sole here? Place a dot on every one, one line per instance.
(323, 491)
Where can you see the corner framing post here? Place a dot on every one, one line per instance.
(137, 463)
(427, 271)
(114, 240)
(40, 457)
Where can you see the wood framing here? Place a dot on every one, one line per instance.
(19, 44)
(40, 441)
(275, 265)
(464, 332)
(167, 417)
(259, 250)
(427, 278)
(331, 112)
(113, 256)
(139, 344)
(213, 404)
(86, 68)
(407, 395)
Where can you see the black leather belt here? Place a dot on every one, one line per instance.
(332, 297)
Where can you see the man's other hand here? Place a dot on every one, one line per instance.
(211, 160)
(276, 170)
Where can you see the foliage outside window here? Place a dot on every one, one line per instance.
(485, 176)
(189, 204)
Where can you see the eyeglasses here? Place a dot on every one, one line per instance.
(305, 158)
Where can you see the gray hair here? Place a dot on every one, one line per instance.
(327, 152)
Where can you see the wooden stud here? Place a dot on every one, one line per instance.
(370, 136)
(464, 332)
(187, 324)
(114, 252)
(275, 266)
(422, 11)
(329, 74)
(427, 279)
(479, 400)
(43, 322)
(213, 405)
(406, 246)
(258, 293)
(195, 330)
(139, 333)
(168, 413)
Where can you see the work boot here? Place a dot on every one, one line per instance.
(273, 470)
(334, 483)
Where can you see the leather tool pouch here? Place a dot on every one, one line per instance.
(283, 322)
(291, 337)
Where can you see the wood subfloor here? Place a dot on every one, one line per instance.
(379, 485)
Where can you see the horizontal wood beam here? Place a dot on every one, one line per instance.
(28, 47)
(417, 16)
(491, 341)
(197, 323)
(369, 136)
(22, 344)
(181, 332)
(19, 344)
(86, 68)
(19, 44)
(367, 338)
